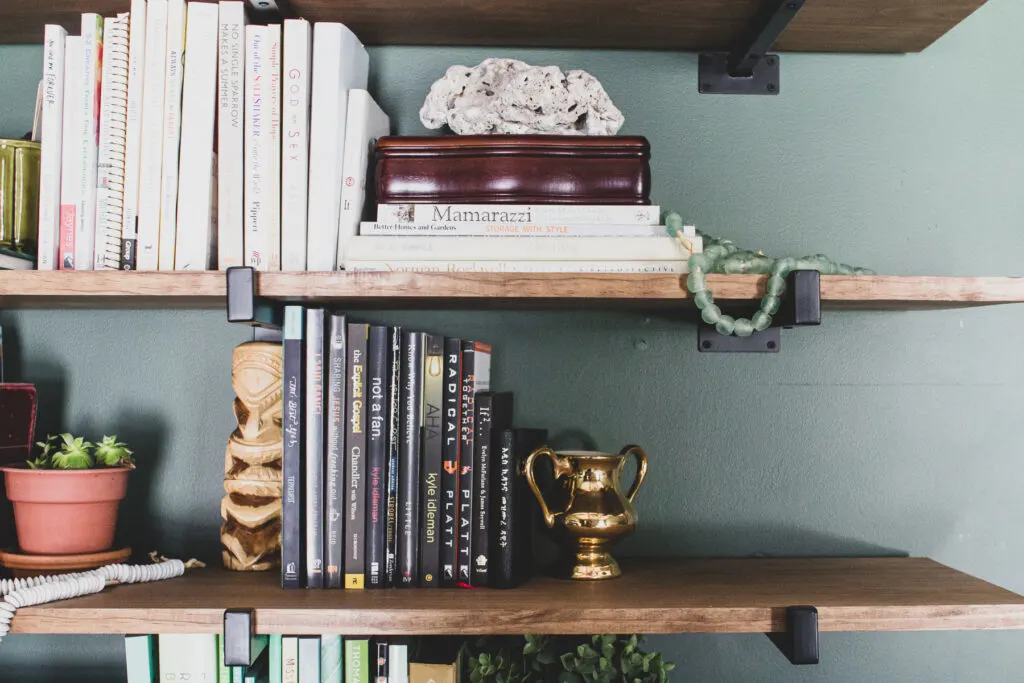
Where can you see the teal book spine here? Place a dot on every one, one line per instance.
(276, 666)
(331, 659)
(140, 658)
(357, 664)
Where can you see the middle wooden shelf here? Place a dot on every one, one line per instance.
(653, 596)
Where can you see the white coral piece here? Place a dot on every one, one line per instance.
(508, 96)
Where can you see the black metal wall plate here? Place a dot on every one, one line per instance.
(799, 642)
(709, 341)
(238, 637)
(715, 79)
(244, 306)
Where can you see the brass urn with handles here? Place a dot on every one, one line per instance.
(594, 513)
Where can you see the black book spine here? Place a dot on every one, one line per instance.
(430, 464)
(381, 661)
(376, 455)
(450, 461)
(394, 427)
(409, 460)
(355, 462)
(493, 415)
(337, 357)
(128, 252)
(292, 428)
(511, 517)
(314, 448)
(467, 388)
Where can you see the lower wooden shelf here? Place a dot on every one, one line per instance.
(116, 289)
(653, 596)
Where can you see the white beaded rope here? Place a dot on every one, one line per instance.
(38, 590)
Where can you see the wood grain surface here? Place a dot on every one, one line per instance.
(821, 26)
(653, 596)
(115, 289)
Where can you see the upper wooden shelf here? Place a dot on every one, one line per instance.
(692, 25)
(115, 289)
(653, 596)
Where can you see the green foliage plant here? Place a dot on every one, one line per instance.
(564, 659)
(69, 452)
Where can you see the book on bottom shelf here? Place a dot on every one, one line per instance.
(314, 462)
(493, 415)
(475, 378)
(394, 448)
(376, 456)
(450, 442)
(357, 664)
(140, 659)
(332, 658)
(334, 485)
(513, 512)
(430, 460)
(309, 659)
(290, 659)
(355, 460)
(293, 447)
(409, 459)
(187, 657)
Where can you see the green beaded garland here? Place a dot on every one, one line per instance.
(722, 256)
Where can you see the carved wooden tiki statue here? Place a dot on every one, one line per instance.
(251, 533)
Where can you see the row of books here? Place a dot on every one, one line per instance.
(278, 659)
(519, 238)
(400, 465)
(177, 136)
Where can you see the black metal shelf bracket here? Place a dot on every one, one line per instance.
(799, 642)
(238, 631)
(800, 306)
(749, 69)
(244, 306)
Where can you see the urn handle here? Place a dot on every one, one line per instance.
(561, 466)
(641, 469)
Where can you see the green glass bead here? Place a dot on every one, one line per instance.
(673, 223)
(715, 252)
(775, 286)
(770, 304)
(726, 325)
(703, 298)
(711, 314)
(744, 328)
(698, 261)
(695, 282)
(762, 321)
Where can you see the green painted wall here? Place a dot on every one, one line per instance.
(878, 433)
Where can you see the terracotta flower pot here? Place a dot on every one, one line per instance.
(64, 512)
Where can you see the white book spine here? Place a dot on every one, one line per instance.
(365, 248)
(110, 162)
(298, 55)
(509, 230)
(340, 63)
(50, 155)
(187, 657)
(133, 133)
(231, 136)
(199, 108)
(256, 165)
(89, 124)
(70, 168)
(272, 188)
(171, 132)
(401, 266)
(366, 122)
(151, 165)
(398, 664)
(519, 213)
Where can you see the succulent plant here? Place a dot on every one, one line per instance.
(597, 659)
(69, 452)
(112, 453)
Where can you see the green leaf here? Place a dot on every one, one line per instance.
(112, 453)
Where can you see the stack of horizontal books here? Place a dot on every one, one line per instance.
(494, 203)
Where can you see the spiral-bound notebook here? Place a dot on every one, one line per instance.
(113, 129)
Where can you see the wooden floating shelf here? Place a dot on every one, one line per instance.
(653, 596)
(821, 26)
(115, 289)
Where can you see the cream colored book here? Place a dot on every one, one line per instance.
(610, 249)
(152, 152)
(173, 83)
(647, 267)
